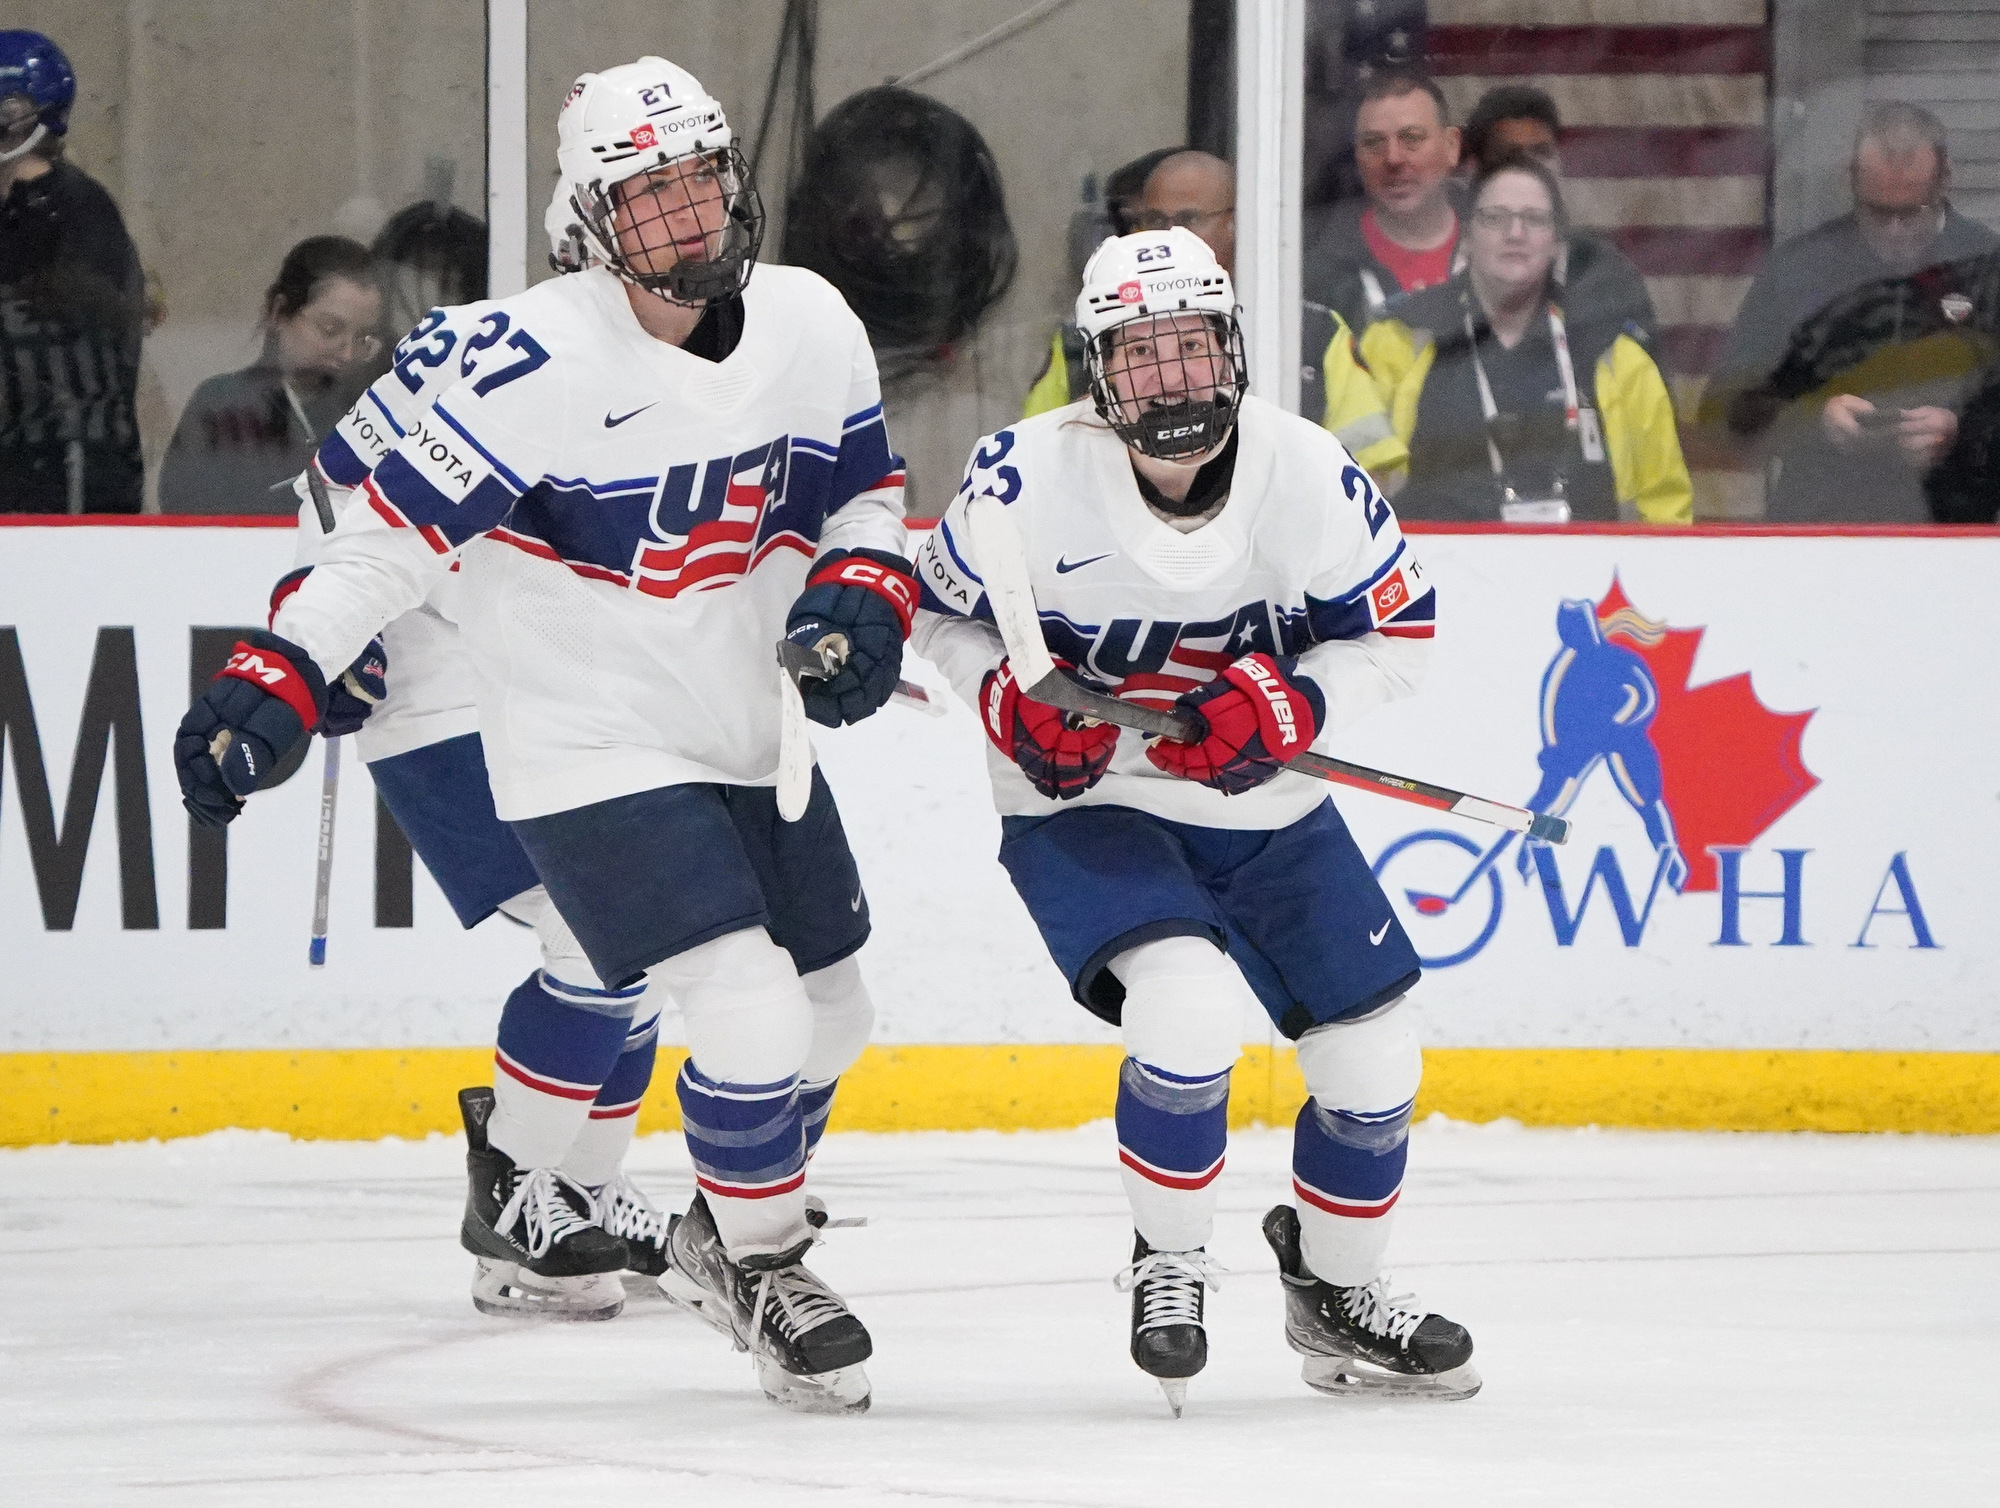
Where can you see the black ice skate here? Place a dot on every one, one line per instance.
(1359, 1341)
(807, 1346)
(541, 1254)
(1169, 1342)
(631, 1216)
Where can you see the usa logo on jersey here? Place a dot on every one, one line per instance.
(705, 520)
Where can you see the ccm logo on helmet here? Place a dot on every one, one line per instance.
(1274, 693)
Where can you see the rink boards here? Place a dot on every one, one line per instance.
(1818, 708)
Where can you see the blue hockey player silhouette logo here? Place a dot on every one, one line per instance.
(1597, 705)
(1706, 767)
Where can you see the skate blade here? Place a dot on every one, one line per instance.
(507, 1290)
(1176, 1390)
(1342, 1377)
(842, 1391)
(684, 1293)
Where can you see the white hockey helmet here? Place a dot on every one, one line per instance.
(640, 118)
(1162, 399)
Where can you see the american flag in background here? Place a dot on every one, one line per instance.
(1666, 146)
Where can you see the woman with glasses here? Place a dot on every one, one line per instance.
(1513, 413)
(245, 435)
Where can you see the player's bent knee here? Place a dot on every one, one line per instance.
(747, 1016)
(1184, 1003)
(1363, 1076)
(843, 1017)
(562, 955)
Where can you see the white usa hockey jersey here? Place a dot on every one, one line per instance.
(629, 524)
(1305, 559)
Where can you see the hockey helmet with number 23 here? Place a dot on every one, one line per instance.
(1163, 343)
(654, 118)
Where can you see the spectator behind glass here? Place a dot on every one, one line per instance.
(1360, 255)
(1852, 352)
(1599, 281)
(1063, 378)
(245, 435)
(427, 256)
(1197, 191)
(1473, 377)
(72, 303)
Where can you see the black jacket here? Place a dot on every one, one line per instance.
(72, 302)
(1900, 340)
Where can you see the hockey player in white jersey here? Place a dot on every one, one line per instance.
(626, 484)
(1193, 547)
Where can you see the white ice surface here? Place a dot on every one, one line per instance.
(1660, 1318)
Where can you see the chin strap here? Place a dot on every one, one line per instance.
(34, 140)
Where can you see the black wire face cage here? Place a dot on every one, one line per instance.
(1182, 384)
(711, 190)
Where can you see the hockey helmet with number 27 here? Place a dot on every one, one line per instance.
(1163, 343)
(655, 118)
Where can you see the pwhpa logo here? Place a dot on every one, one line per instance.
(1708, 770)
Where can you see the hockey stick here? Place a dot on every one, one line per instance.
(796, 664)
(329, 789)
(1004, 564)
(329, 797)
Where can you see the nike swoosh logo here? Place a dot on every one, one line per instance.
(1064, 567)
(611, 423)
(1375, 937)
(855, 904)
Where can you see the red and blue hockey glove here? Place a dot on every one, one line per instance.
(1061, 762)
(1255, 717)
(869, 597)
(266, 699)
(359, 688)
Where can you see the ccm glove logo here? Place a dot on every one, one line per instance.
(894, 583)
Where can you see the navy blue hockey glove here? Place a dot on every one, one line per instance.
(1255, 717)
(869, 597)
(359, 688)
(268, 697)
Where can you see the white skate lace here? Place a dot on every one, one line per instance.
(1173, 1282)
(628, 1214)
(1371, 1307)
(798, 1301)
(538, 1200)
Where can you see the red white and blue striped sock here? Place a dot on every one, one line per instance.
(1347, 1170)
(748, 1145)
(558, 1044)
(815, 1105)
(596, 1154)
(1172, 1132)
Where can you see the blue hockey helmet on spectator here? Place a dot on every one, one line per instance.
(31, 64)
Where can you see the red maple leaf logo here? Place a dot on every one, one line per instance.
(1729, 765)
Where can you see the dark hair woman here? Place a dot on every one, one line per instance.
(1511, 412)
(244, 434)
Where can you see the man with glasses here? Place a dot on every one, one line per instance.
(1850, 355)
(1196, 191)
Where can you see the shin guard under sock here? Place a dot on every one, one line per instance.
(1347, 1170)
(1172, 1131)
(748, 1146)
(558, 1043)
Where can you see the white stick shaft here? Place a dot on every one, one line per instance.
(329, 801)
(1003, 566)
